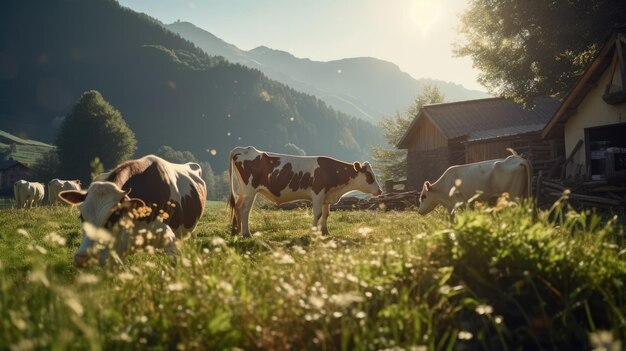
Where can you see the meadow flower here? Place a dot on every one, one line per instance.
(217, 241)
(316, 302)
(484, 309)
(86, 278)
(603, 340)
(23, 232)
(175, 286)
(55, 239)
(346, 299)
(360, 315)
(126, 276)
(74, 305)
(225, 286)
(465, 335)
(40, 277)
(364, 231)
(283, 258)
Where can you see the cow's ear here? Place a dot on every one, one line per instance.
(357, 166)
(73, 197)
(427, 185)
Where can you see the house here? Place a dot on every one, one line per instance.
(25, 151)
(10, 172)
(442, 135)
(592, 117)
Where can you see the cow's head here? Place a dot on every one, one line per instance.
(366, 179)
(426, 201)
(96, 206)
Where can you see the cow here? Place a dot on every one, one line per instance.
(56, 185)
(486, 179)
(283, 178)
(28, 194)
(150, 180)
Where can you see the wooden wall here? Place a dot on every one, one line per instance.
(427, 137)
(542, 153)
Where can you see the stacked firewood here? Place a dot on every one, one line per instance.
(599, 194)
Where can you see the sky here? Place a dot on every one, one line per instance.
(417, 35)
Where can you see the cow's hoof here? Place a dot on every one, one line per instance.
(325, 232)
(247, 235)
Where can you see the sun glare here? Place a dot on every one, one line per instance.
(425, 14)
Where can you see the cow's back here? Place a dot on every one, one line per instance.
(175, 188)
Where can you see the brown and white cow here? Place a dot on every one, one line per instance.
(28, 194)
(150, 180)
(283, 178)
(56, 185)
(490, 179)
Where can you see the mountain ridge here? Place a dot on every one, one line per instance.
(366, 87)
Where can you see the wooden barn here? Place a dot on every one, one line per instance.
(10, 172)
(442, 135)
(592, 118)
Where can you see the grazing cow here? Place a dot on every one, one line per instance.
(56, 185)
(490, 179)
(283, 178)
(177, 189)
(28, 194)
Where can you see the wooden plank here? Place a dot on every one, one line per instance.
(570, 157)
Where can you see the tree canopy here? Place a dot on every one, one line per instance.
(389, 162)
(530, 48)
(93, 129)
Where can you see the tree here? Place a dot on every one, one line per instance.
(531, 48)
(170, 154)
(390, 162)
(93, 129)
(47, 166)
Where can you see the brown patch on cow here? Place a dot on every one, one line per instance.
(259, 168)
(193, 206)
(280, 179)
(332, 173)
(369, 177)
(301, 180)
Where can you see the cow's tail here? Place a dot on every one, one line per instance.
(513, 152)
(232, 201)
(529, 176)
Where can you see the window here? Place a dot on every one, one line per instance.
(606, 151)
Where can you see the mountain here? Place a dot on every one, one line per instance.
(365, 87)
(169, 91)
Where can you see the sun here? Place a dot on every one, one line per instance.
(424, 14)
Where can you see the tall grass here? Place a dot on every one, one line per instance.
(494, 278)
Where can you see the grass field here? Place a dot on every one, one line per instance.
(494, 279)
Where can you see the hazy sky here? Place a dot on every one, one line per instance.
(417, 35)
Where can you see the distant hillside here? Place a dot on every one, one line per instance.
(364, 87)
(169, 91)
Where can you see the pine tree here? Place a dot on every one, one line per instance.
(94, 128)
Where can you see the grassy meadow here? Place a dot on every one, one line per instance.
(496, 278)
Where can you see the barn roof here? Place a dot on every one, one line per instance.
(6, 164)
(505, 132)
(489, 116)
(585, 83)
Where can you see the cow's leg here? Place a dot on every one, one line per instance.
(247, 203)
(236, 220)
(317, 212)
(325, 213)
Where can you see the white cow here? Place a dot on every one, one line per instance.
(56, 185)
(490, 178)
(28, 194)
(283, 178)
